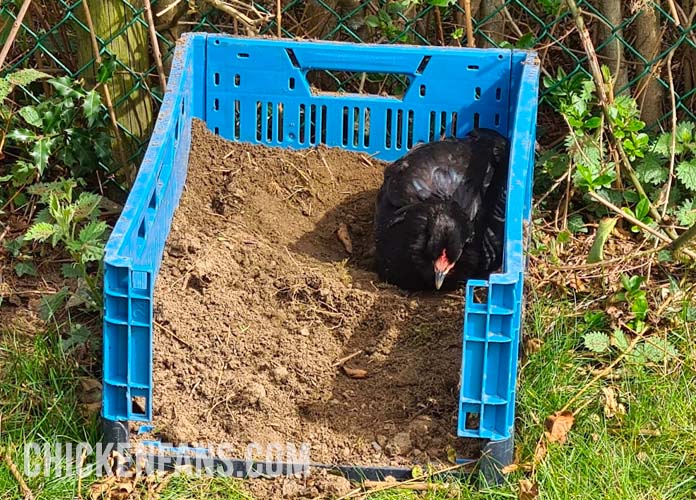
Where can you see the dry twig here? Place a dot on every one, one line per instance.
(13, 32)
(470, 42)
(26, 492)
(155, 45)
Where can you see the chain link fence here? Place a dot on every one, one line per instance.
(637, 40)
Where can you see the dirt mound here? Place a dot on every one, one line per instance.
(258, 301)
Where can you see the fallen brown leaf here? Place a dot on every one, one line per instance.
(532, 345)
(558, 425)
(540, 451)
(612, 407)
(344, 237)
(528, 490)
(355, 372)
(509, 469)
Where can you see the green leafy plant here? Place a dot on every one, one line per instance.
(72, 222)
(65, 131)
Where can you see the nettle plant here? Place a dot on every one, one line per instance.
(595, 168)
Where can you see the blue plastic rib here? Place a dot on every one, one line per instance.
(257, 91)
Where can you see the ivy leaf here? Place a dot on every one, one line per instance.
(596, 341)
(72, 270)
(576, 224)
(50, 304)
(31, 116)
(25, 269)
(40, 231)
(92, 107)
(26, 76)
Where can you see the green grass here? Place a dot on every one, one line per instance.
(648, 453)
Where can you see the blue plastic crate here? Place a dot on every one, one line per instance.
(256, 90)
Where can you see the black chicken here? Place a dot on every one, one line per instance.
(440, 214)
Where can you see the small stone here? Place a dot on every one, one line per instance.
(376, 446)
(400, 444)
(304, 331)
(280, 374)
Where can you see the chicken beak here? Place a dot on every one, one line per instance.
(439, 278)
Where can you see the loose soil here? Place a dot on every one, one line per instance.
(258, 300)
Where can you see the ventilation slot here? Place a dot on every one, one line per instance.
(443, 125)
(498, 93)
(270, 116)
(292, 57)
(243, 55)
(497, 119)
(356, 127)
(237, 119)
(472, 67)
(431, 127)
(216, 78)
(303, 122)
(216, 131)
(259, 118)
(388, 129)
(399, 128)
(477, 93)
(216, 104)
(323, 124)
(312, 123)
(476, 120)
(366, 128)
(454, 124)
(291, 84)
(409, 135)
(345, 128)
(237, 80)
(422, 90)
(279, 121)
(176, 131)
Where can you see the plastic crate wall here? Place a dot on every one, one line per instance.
(256, 90)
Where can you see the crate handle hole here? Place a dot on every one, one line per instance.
(292, 57)
(138, 405)
(423, 64)
(480, 295)
(473, 420)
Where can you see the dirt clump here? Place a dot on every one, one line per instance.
(258, 301)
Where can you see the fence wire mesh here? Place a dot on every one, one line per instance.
(635, 40)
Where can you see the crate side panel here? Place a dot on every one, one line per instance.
(458, 87)
(135, 247)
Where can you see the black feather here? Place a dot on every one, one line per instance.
(450, 195)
